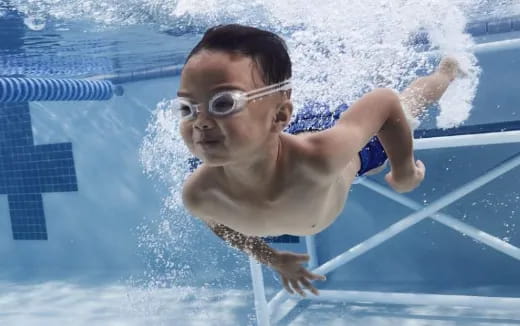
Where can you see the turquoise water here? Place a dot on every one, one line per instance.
(121, 251)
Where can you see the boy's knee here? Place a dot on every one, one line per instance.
(413, 121)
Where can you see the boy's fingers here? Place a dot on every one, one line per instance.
(315, 276)
(286, 285)
(303, 257)
(421, 167)
(320, 277)
(389, 179)
(296, 287)
(308, 285)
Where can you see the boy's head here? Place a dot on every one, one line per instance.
(239, 59)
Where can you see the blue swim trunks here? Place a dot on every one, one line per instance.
(316, 117)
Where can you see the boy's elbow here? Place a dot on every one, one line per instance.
(388, 98)
(389, 106)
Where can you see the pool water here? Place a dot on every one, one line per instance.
(114, 246)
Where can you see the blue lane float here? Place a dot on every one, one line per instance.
(17, 90)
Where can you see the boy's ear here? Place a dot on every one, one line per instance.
(282, 116)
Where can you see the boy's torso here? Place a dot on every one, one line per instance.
(305, 204)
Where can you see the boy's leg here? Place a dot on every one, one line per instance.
(426, 90)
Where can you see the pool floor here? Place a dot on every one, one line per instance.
(55, 303)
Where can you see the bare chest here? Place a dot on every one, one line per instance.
(301, 209)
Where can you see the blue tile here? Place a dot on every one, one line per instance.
(27, 170)
(282, 239)
(515, 23)
(499, 26)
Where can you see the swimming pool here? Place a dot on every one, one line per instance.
(99, 241)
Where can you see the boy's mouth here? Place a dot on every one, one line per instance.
(204, 142)
(208, 141)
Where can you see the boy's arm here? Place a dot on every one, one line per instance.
(378, 112)
(286, 263)
(253, 246)
(193, 201)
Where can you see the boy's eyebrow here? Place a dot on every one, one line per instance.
(183, 94)
(227, 86)
(214, 90)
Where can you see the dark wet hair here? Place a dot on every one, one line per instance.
(267, 49)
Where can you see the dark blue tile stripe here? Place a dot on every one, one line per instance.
(27, 171)
(27, 218)
(282, 239)
(496, 26)
(469, 130)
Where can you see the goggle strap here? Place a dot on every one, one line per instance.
(282, 86)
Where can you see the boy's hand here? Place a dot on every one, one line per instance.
(287, 264)
(408, 182)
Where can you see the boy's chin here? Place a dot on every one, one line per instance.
(214, 162)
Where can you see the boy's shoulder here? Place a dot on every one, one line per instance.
(305, 156)
(202, 177)
(196, 185)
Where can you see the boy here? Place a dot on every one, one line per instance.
(256, 180)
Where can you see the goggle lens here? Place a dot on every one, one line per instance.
(185, 108)
(223, 104)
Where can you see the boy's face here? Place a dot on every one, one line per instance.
(222, 140)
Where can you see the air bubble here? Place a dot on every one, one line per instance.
(35, 23)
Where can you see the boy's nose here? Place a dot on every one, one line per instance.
(204, 121)
(203, 126)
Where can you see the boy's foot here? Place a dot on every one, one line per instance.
(450, 67)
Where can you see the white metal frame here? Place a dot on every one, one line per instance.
(272, 311)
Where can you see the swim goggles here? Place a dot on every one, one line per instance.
(227, 102)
